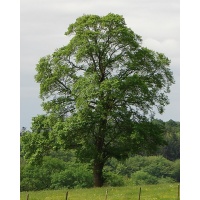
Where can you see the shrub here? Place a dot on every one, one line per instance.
(176, 170)
(166, 180)
(143, 178)
(38, 177)
(132, 165)
(75, 176)
(159, 166)
(113, 179)
(28, 184)
(34, 178)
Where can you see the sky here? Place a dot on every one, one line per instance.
(44, 22)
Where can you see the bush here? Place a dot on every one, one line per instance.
(38, 177)
(55, 173)
(159, 166)
(28, 184)
(132, 165)
(75, 176)
(166, 180)
(113, 179)
(143, 178)
(176, 170)
(34, 178)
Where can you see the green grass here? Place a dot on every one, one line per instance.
(167, 191)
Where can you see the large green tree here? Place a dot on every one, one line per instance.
(100, 93)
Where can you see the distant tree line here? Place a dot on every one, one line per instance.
(171, 150)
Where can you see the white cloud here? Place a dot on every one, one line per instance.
(170, 47)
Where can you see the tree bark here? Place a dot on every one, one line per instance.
(98, 174)
(99, 159)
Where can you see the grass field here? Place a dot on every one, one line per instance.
(148, 192)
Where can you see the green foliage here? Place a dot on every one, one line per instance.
(143, 178)
(131, 165)
(113, 179)
(176, 170)
(100, 93)
(57, 173)
(40, 142)
(166, 180)
(171, 150)
(158, 166)
(67, 156)
(75, 176)
(38, 177)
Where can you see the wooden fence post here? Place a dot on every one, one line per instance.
(66, 195)
(106, 194)
(27, 198)
(139, 193)
(178, 191)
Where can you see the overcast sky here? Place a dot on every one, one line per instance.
(44, 22)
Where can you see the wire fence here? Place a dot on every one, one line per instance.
(107, 198)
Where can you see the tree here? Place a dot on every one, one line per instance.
(172, 136)
(100, 92)
(23, 129)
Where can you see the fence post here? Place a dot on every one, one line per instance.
(106, 194)
(66, 195)
(27, 198)
(139, 193)
(178, 191)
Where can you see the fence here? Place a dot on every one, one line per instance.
(106, 195)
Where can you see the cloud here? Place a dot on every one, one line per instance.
(170, 47)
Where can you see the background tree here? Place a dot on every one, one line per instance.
(100, 92)
(23, 129)
(171, 134)
(171, 151)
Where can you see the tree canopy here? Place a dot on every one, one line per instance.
(100, 93)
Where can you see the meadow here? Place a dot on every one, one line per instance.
(167, 191)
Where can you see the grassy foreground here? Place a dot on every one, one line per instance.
(148, 192)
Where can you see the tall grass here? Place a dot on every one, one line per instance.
(167, 191)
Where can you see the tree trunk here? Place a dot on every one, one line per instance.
(99, 159)
(98, 174)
